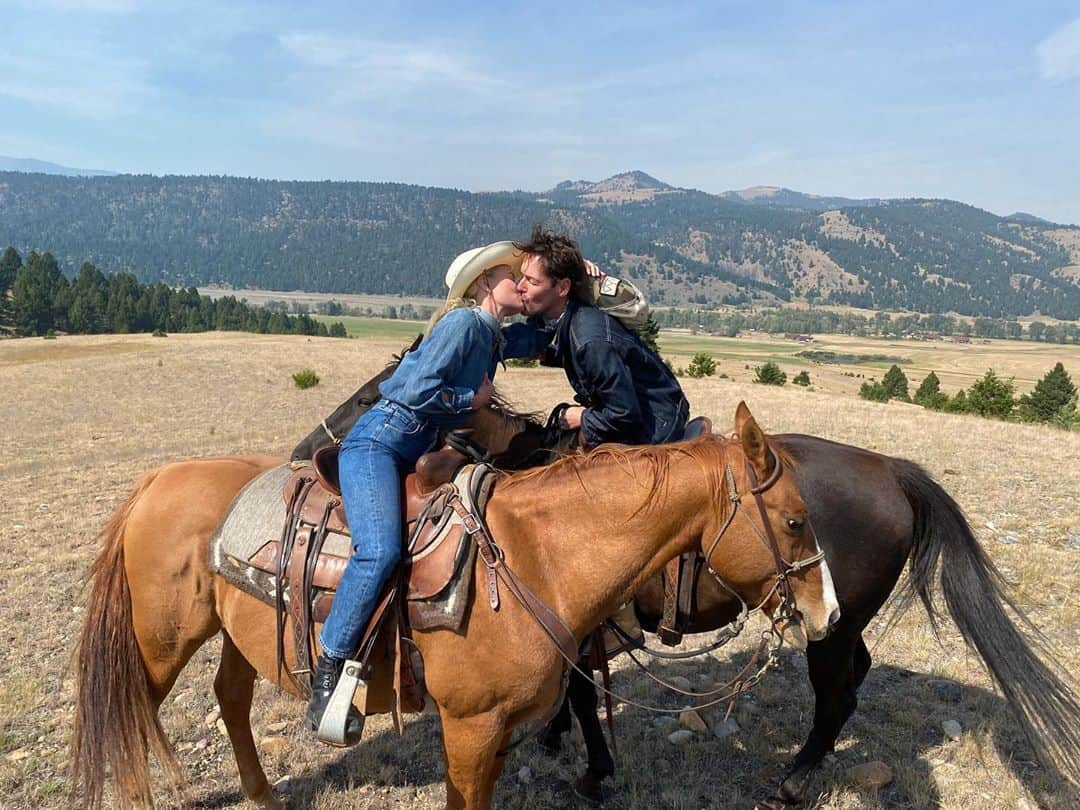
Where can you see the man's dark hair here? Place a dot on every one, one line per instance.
(562, 258)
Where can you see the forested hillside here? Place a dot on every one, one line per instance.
(683, 246)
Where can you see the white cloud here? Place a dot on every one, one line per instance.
(1059, 53)
(359, 67)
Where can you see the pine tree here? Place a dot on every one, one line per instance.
(929, 394)
(770, 374)
(895, 384)
(991, 396)
(1052, 393)
(649, 333)
(10, 262)
(701, 365)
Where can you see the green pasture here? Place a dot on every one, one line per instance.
(356, 326)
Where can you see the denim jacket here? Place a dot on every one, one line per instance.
(629, 394)
(437, 380)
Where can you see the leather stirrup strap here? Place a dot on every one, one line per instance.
(668, 631)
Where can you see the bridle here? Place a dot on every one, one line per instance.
(787, 609)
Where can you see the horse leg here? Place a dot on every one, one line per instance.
(234, 687)
(470, 745)
(581, 693)
(550, 738)
(837, 666)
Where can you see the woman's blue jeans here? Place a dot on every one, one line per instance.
(381, 448)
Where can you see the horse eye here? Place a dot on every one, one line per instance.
(794, 524)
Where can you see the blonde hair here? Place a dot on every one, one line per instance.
(449, 305)
(466, 300)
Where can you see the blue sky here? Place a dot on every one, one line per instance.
(974, 101)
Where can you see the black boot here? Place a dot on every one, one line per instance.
(327, 675)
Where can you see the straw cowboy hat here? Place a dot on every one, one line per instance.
(468, 266)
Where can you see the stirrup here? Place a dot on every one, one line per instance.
(336, 717)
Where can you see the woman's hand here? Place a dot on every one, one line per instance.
(592, 270)
(571, 418)
(483, 394)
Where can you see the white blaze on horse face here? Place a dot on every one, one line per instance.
(830, 605)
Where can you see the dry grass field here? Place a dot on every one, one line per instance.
(81, 418)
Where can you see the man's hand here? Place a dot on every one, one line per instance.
(483, 394)
(592, 270)
(571, 418)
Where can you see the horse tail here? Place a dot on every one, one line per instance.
(975, 595)
(116, 722)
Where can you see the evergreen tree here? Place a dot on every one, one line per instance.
(873, 391)
(10, 262)
(991, 396)
(37, 284)
(1052, 394)
(770, 374)
(802, 378)
(337, 329)
(649, 333)
(929, 394)
(895, 384)
(701, 365)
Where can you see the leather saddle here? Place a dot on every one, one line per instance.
(432, 585)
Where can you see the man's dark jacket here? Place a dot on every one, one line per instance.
(630, 395)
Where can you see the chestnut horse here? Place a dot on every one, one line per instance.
(154, 602)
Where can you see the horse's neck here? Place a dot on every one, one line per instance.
(590, 540)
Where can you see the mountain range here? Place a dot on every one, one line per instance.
(13, 164)
(683, 246)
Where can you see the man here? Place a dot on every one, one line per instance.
(626, 392)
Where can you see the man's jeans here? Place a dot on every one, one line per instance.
(381, 448)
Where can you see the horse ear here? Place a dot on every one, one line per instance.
(753, 442)
(742, 413)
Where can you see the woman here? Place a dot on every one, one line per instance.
(435, 387)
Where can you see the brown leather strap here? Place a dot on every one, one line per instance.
(605, 674)
(687, 584)
(668, 631)
(288, 536)
(294, 573)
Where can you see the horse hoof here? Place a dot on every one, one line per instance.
(591, 789)
(268, 801)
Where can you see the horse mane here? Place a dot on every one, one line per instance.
(501, 406)
(710, 452)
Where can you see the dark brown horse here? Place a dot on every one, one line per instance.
(873, 515)
(154, 601)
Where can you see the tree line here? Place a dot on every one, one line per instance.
(881, 324)
(36, 298)
(1053, 400)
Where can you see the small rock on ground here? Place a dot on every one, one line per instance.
(952, 729)
(692, 720)
(725, 728)
(870, 775)
(680, 737)
(679, 682)
(525, 775)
